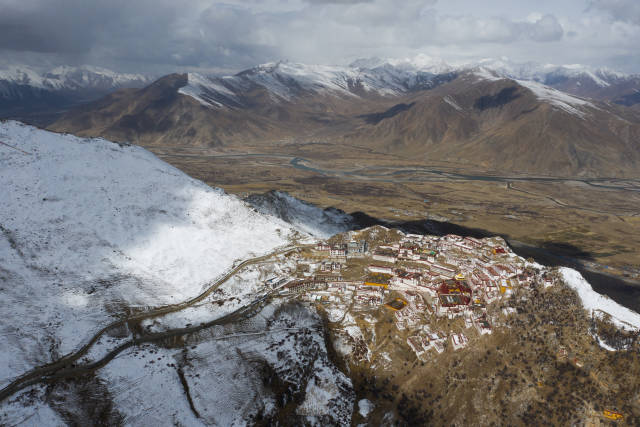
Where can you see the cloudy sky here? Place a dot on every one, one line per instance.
(167, 35)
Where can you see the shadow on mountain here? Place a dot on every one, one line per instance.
(567, 249)
(375, 118)
(503, 97)
(558, 251)
(629, 99)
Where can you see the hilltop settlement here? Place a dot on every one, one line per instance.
(420, 278)
(409, 314)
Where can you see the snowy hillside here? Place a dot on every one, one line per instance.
(561, 100)
(229, 370)
(591, 300)
(89, 229)
(322, 223)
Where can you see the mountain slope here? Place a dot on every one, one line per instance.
(322, 223)
(90, 229)
(512, 126)
(159, 114)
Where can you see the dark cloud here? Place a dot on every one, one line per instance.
(51, 26)
(620, 10)
(143, 31)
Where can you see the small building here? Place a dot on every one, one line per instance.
(328, 267)
(380, 269)
(304, 285)
(322, 247)
(385, 257)
(357, 248)
(406, 280)
(483, 327)
(459, 341)
(275, 282)
(473, 242)
(438, 346)
(441, 269)
(415, 342)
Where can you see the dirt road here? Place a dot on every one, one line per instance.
(64, 367)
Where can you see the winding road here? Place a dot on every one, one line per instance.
(65, 367)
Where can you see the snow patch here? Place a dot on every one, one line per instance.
(622, 317)
(486, 74)
(206, 90)
(449, 100)
(557, 98)
(365, 406)
(322, 223)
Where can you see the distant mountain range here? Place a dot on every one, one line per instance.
(489, 115)
(24, 90)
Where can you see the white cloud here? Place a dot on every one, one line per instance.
(147, 34)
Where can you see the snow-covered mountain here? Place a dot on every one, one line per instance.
(549, 74)
(311, 219)
(87, 224)
(289, 82)
(284, 81)
(66, 78)
(25, 91)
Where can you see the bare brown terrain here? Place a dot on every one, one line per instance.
(541, 369)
